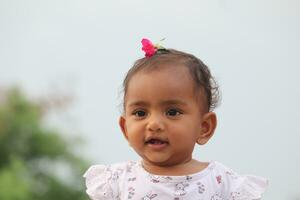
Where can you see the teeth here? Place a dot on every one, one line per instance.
(155, 141)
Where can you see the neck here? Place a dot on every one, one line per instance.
(187, 167)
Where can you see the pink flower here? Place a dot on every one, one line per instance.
(148, 48)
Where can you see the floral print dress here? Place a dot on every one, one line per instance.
(130, 181)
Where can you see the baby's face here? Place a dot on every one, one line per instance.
(163, 118)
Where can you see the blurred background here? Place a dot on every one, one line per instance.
(61, 68)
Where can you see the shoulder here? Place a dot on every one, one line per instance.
(239, 186)
(102, 181)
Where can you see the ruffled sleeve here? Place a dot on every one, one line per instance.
(249, 187)
(98, 183)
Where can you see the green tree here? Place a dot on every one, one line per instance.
(36, 163)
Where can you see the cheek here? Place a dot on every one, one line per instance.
(133, 128)
(187, 134)
(186, 126)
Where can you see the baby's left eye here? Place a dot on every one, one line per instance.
(173, 112)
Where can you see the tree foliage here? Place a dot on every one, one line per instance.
(36, 163)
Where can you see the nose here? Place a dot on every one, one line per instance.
(155, 124)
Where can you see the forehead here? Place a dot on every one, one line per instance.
(167, 82)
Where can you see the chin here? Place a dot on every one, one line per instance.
(161, 162)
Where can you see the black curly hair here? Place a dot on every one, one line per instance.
(203, 80)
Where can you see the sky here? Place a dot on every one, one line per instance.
(84, 49)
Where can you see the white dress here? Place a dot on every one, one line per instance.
(130, 180)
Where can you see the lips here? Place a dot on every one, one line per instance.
(156, 143)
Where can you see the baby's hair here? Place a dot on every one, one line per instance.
(203, 80)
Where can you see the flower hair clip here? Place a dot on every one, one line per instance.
(151, 49)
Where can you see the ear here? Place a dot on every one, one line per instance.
(208, 126)
(122, 124)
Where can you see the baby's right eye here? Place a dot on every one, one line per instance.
(139, 113)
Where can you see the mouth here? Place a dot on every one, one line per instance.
(156, 141)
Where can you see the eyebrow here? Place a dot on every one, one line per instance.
(166, 102)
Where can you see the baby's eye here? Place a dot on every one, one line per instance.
(139, 113)
(173, 112)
